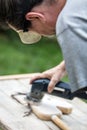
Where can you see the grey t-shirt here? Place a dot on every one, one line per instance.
(71, 32)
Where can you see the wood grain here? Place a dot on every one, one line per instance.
(17, 76)
(11, 112)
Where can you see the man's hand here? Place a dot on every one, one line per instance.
(55, 74)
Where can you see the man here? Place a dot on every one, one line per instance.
(65, 18)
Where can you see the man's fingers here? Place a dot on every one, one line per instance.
(37, 77)
(52, 84)
(54, 80)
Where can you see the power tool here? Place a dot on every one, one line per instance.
(61, 89)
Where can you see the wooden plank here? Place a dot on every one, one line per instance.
(78, 117)
(13, 86)
(80, 105)
(17, 76)
(11, 112)
(11, 115)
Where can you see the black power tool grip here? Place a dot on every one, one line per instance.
(61, 89)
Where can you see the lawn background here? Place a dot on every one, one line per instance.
(19, 58)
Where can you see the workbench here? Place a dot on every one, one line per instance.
(12, 112)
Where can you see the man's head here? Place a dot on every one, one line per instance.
(31, 16)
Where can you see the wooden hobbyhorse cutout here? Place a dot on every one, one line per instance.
(52, 109)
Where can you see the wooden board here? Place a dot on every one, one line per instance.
(12, 112)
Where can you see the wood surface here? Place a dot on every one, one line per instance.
(17, 76)
(12, 112)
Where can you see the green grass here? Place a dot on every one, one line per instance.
(17, 58)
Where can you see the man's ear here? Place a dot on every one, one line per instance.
(35, 15)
